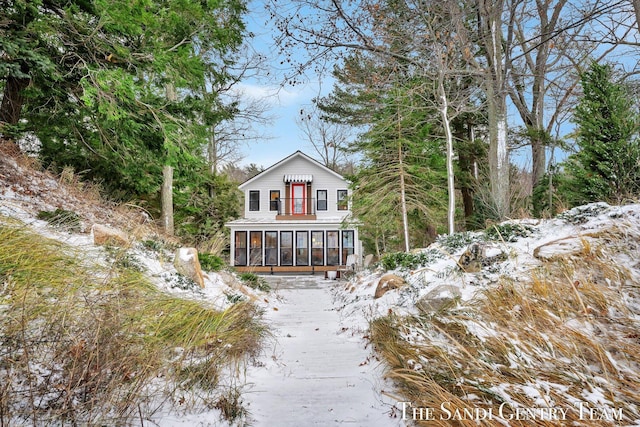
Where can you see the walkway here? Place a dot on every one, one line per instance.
(314, 372)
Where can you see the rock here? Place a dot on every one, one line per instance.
(476, 257)
(186, 263)
(103, 235)
(437, 299)
(387, 283)
(471, 260)
(233, 282)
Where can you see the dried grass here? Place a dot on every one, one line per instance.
(87, 345)
(550, 341)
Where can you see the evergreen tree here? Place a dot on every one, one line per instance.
(90, 79)
(400, 188)
(607, 167)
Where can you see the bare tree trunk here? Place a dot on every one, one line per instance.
(403, 200)
(539, 161)
(444, 106)
(167, 200)
(491, 33)
(166, 194)
(498, 154)
(403, 193)
(636, 9)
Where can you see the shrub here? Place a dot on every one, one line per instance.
(210, 262)
(178, 281)
(453, 242)
(582, 214)
(230, 405)
(508, 231)
(234, 298)
(255, 282)
(122, 259)
(153, 245)
(408, 260)
(61, 218)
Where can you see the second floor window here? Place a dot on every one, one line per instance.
(254, 200)
(322, 200)
(342, 200)
(274, 200)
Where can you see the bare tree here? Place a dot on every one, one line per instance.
(243, 127)
(551, 48)
(521, 51)
(446, 44)
(235, 117)
(344, 27)
(328, 139)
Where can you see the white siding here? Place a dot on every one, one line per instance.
(272, 179)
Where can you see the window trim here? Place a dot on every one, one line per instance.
(254, 205)
(274, 236)
(317, 247)
(273, 203)
(343, 203)
(302, 252)
(283, 259)
(347, 250)
(240, 248)
(325, 200)
(256, 244)
(333, 252)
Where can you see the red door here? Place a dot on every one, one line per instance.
(298, 202)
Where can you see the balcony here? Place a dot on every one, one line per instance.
(295, 208)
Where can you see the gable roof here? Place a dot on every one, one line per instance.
(288, 159)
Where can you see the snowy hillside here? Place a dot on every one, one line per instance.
(105, 334)
(537, 322)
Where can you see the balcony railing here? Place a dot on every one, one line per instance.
(294, 206)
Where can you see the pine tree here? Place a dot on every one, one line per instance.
(607, 166)
(89, 80)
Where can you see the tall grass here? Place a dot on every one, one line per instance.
(567, 335)
(83, 344)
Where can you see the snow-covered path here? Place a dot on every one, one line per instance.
(316, 371)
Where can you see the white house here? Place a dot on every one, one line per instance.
(294, 220)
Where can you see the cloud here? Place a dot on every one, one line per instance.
(279, 95)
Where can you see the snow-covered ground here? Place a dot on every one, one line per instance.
(530, 245)
(313, 371)
(316, 370)
(548, 323)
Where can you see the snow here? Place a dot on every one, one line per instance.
(316, 372)
(597, 230)
(445, 273)
(185, 255)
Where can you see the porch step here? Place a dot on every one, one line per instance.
(297, 282)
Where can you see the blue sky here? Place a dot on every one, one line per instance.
(283, 135)
(285, 101)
